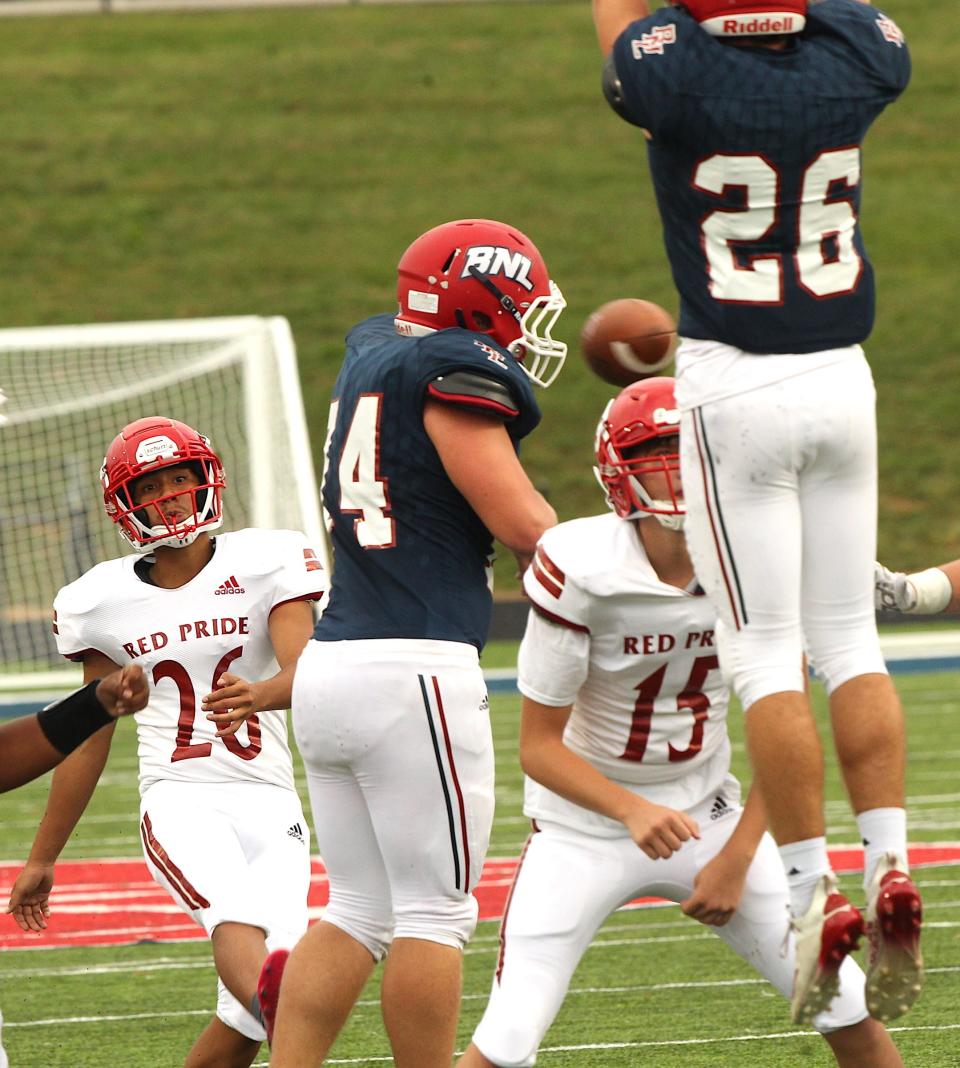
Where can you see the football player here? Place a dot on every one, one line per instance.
(33, 745)
(755, 112)
(390, 707)
(624, 743)
(211, 620)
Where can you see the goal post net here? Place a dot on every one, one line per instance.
(70, 389)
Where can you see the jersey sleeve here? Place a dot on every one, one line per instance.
(476, 392)
(553, 662)
(469, 370)
(872, 37)
(300, 576)
(68, 627)
(554, 594)
(647, 62)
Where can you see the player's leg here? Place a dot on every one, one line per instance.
(839, 501)
(567, 883)
(220, 1046)
(275, 838)
(428, 784)
(743, 533)
(192, 845)
(329, 966)
(323, 977)
(420, 1001)
(760, 933)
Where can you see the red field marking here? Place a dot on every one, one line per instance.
(114, 902)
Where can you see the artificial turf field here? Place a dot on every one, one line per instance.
(277, 162)
(655, 989)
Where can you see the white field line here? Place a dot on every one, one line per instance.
(589, 991)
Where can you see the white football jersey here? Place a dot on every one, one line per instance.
(636, 659)
(185, 639)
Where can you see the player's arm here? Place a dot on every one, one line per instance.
(481, 461)
(922, 593)
(235, 699)
(612, 17)
(718, 886)
(544, 756)
(33, 745)
(70, 791)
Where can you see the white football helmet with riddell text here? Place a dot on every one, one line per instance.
(641, 414)
(144, 447)
(748, 18)
(485, 276)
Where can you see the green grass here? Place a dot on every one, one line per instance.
(278, 162)
(144, 1004)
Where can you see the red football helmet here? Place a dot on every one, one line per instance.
(484, 276)
(147, 446)
(642, 413)
(748, 18)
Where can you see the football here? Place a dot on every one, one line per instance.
(626, 340)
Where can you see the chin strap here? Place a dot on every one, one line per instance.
(503, 299)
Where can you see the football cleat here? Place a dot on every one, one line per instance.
(268, 988)
(894, 916)
(829, 930)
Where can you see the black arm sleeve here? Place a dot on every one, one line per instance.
(70, 722)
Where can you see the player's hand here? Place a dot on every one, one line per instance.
(233, 701)
(29, 902)
(717, 889)
(524, 560)
(892, 590)
(659, 831)
(124, 691)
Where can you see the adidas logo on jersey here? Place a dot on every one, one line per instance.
(230, 586)
(719, 808)
(296, 831)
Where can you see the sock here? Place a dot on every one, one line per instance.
(883, 830)
(805, 863)
(255, 1012)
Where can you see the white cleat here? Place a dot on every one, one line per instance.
(894, 916)
(829, 930)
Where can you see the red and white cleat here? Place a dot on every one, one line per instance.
(829, 930)
(268, 988)
(894, 916)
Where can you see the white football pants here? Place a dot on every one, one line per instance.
(568, 883)
(395, 736)
(780, 484)
(236, 852)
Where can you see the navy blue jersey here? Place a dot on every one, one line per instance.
(410, 554)
(755, 158)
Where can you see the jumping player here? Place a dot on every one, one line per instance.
(755, 111)
(390, 707)
(221, 824)
(623, 738)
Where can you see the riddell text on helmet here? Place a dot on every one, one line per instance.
(765, 24)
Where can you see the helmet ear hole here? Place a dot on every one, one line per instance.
(481, 321)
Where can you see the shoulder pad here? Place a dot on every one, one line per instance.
(470, 389)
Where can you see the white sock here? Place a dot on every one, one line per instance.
(883, 830)
(805, 863)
